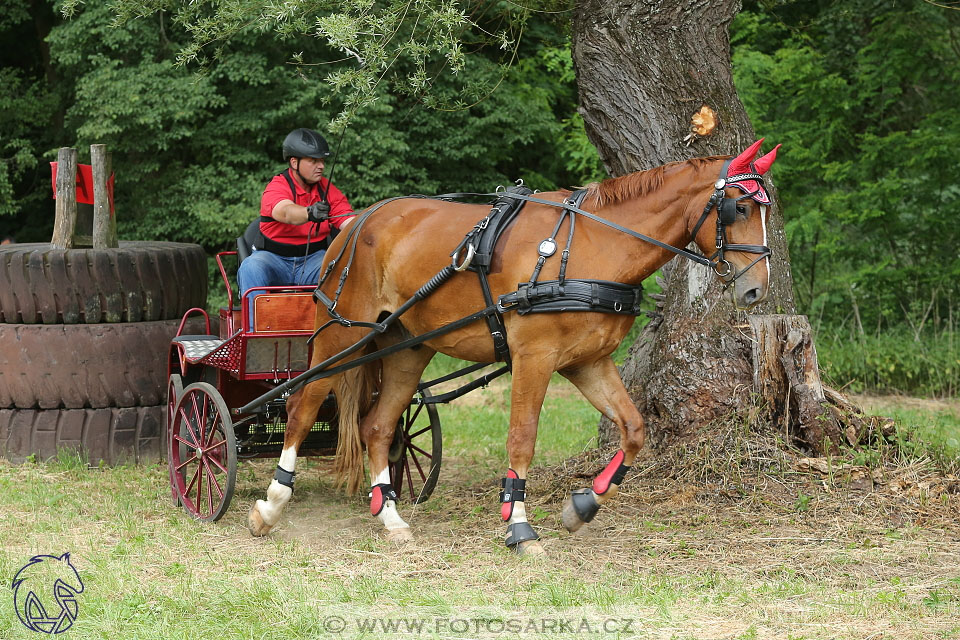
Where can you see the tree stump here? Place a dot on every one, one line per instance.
(788, 389)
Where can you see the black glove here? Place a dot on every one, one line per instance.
(318, 212)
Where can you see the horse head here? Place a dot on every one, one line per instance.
(735, 233)
(45, 592)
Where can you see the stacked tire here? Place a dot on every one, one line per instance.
(84, 338)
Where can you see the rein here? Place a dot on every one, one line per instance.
(726, 215)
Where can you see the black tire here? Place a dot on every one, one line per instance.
(114, 436)
(86, 365)
(137, 282)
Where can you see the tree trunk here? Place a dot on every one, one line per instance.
(644, 69)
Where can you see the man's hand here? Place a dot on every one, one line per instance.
(318, 212)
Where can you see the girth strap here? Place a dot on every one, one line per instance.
(475, 252)
(498, 331)
(552, 296)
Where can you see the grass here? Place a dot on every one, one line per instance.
(719, 555)
(936, 422)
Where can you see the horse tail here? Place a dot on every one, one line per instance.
(354, 389)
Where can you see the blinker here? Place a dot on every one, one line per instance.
(728, 211)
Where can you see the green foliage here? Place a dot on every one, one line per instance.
(892, 362)
(193, 147)
(28, 104)
(863, 96)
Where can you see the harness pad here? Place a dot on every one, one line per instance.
(503, 212)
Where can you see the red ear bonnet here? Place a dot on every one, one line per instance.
(762, 165)
(741, 164)
(744, 163)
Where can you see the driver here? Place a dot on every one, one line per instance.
(297, 210)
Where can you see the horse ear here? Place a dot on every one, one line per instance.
(762, 165)
(741, 164)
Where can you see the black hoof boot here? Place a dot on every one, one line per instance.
(580, 507)
(520, 532)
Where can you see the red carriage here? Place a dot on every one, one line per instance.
(262, 342)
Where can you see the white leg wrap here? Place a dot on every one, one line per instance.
(278, 495)
(388, 515)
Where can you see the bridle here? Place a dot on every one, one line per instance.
(727, 215)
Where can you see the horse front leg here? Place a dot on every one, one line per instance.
(530, 379)
(400, 376)
(600, 383)
(302, 409)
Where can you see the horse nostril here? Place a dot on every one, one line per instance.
(752, 295)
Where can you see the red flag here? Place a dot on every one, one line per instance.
(84, 184)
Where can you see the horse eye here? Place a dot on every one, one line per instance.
(742, 210)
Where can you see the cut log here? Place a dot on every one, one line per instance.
(104, 222)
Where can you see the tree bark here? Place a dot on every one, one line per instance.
(643, 69)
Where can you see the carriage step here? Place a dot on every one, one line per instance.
(195, 348)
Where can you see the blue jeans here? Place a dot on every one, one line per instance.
(265, 269)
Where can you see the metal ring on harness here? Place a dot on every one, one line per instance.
(471, 251)
(722, 274)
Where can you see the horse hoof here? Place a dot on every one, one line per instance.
(530, 549)
(571, 520)
(400, 535)
(255, 523)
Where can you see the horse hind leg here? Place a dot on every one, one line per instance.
(302, 409)
(600, 383)
(400, 376)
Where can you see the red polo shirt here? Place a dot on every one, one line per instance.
(296, 234)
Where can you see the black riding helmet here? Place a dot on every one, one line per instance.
(305, 143)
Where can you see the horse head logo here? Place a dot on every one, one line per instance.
(45, 593)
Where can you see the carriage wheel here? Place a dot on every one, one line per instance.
(174, 392)
(203, 452)
(416, 452)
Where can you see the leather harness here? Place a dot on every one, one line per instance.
(561, 295)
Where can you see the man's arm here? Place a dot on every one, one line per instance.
(289, 212)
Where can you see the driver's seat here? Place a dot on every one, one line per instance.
(250, 238)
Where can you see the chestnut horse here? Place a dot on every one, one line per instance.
(401, 245)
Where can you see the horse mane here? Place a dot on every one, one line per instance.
(636, 184)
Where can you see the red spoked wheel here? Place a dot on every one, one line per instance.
(174, 393)
(203, 452)
(417, 451)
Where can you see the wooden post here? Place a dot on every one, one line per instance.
(66, 210)
(104, 223)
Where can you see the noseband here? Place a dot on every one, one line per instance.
(727, 215)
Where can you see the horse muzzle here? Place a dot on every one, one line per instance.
(748, 293)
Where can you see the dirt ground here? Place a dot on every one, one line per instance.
(843, 524)
(847, 534)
